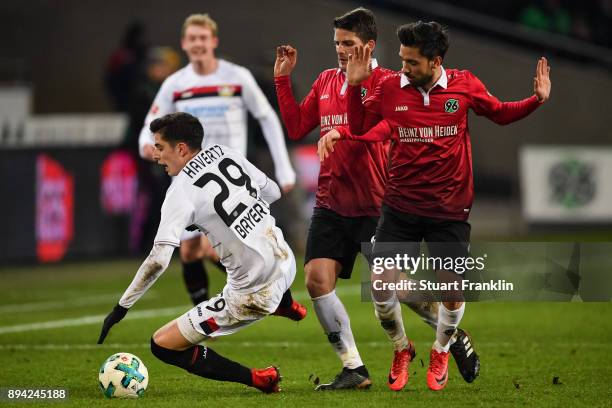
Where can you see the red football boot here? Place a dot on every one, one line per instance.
(266, 379)
(398, 375)
(295, 312)
(437, 373)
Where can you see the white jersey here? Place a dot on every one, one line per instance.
(226, 197)
(220, 101)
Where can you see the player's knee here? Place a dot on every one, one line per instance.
(158, 337)
(190, 253)
(207, 251)
(452, 305)
(316, 283)
(192, 248)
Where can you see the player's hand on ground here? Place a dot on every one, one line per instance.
(113, 317)
(326, 144)
(358, 68)
(286, 58)
(541, 82)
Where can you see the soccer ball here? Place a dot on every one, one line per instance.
(123, 375)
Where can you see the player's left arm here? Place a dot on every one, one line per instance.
(272, 130)
(504, 113)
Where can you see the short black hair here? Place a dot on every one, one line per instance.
(430, 38)
(179, 127)
(359, 21)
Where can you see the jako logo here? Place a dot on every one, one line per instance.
(326, 96)
(401, 108)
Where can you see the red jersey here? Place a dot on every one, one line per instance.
(351, 181)
(430, 170)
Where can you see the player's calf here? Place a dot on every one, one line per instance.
(196, 281)
(205, 362)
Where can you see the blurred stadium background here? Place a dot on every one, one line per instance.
(79, 208)
(72, 78)
(74, 85)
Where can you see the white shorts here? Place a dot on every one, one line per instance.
(230, 311)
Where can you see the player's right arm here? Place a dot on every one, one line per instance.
(151, 269)
(298, 119)
(176, 214)
(162, 105)
(379, 133)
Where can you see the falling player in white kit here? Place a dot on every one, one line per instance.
(219, 93)
(216, 190)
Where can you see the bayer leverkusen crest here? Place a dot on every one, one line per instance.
(226, 90)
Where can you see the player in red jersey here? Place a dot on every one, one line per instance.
(348, 201)
(350, 187)
(429, 191)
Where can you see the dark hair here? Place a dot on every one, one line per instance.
(179, 127)
(430, 38)
(359, 21)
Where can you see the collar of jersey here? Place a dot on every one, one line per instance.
(442, 81)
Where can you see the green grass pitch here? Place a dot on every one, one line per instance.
(50, 317)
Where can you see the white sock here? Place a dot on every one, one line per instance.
(448, 320)
(337, 326)
(389, 314)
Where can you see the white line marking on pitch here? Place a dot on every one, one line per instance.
(64, 304)
(94, 319)
(137, 314)
(267, 344)
(101, 299)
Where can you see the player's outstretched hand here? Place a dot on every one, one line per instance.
(286, 58)
(326, 144)
(358, 68)
(113, 317)
(541, 82)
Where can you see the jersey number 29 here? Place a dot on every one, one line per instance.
(242, 180)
